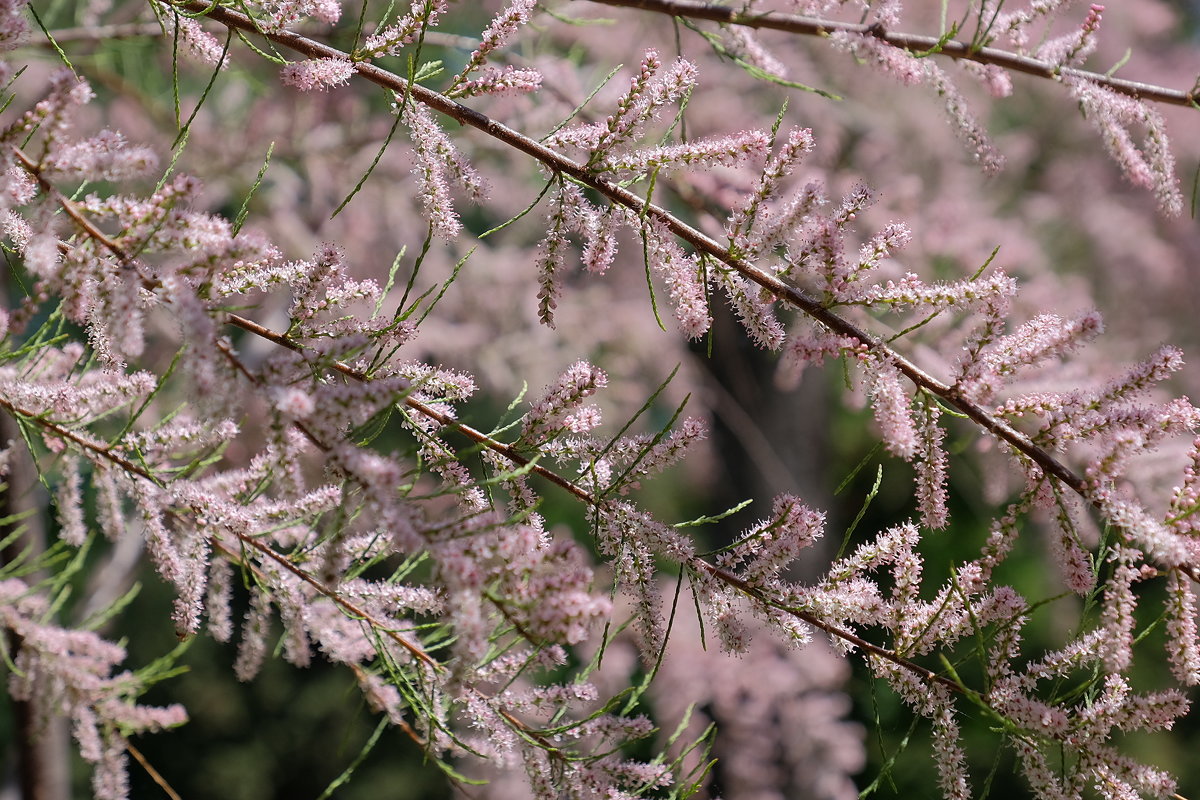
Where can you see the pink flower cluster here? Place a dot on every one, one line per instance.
(358, 516)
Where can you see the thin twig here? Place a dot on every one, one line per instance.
(100, 33)
(151, 771)
(914, 43)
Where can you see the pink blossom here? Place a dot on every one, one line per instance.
(997, 81)
(600, 246)
(69, 504)
(706, 153)
(647, 94)
(1183, 648)
(742, 43)
(200, 43)
(911, 291)
(295, 402)
(893, 412)
(494, 81)
(399, 534)
(911, 71)
(771, 545)
(1016, 24)
(581, 380)
(253, 646)
(1151, 166)
(1044, 337)
(932, 469)
(1119, 605)
(502, 28)
(682, 274)
(280, 14)
(1073, 49)
(754, 310)
(948, 755)
(749, 215)
(105, 156)
(13, 26)
(436, 159)
(318, 73)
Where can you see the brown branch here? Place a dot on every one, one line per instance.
(69, 208)
(699, 241)
(702, 243)
(694, 563)
(506, 450)
(913, 43)
(501, 448)
(361, 675)
(130, 467)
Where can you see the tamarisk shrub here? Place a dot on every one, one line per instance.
(211, 368)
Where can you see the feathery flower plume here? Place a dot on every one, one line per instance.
(70, 673)
(770, 546)
(703, 153)
(1044, 337)
(1184, 513)
(1074, 48)
(280, 14)
(551, 250)
(502, 28)
(932, 467)
(996, 80)
(1183, 646)
(809, 345)
(436, 157)
(547, 416)
(391, 40)
(1119, 606)
(1150, 167)
(911, 71)
(682, 273)
(751, 213)
(105, 156)
(600, 239)
(499, 81)
(13, 26)
(68, 502)
(648, 92)
(252, 648)
(911, 292)
(742, 43)
(317, 73)
(1015, 25)
(1074, 561)
(893, 412)
(754, 311)
(948, 755)
(200, 43)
